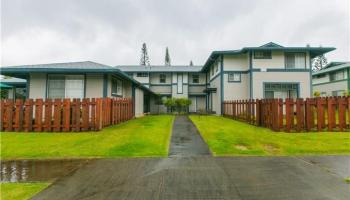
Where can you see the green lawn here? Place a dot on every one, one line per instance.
(20, 191)
(229, 137)
(146, 136)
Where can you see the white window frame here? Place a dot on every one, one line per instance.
(234, 77)
(195, 78)
(162, 79)
(141, 74)
(67, 79)
(117, 87)
(296, 56)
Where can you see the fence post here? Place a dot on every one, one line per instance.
(2, 107)
(289, 112)
(38, 115)
(99, 114)
(67, 115)
(331, 113)
(19, 115)
(57, 115)
(28, 115)
(48, 115)
(341, 113)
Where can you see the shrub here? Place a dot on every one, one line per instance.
(317, 94)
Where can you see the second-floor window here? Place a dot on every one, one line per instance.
(195, 78)
(295, 60)
(338, 75)
(162, 78)
(262, 54)
(142, 74)
(234, 77)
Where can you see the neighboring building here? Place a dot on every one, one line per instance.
(80, 80)
(333, 80)
(15, 88)
(268, 71)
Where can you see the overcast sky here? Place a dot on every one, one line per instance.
(112, 31)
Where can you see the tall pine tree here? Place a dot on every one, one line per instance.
(167, 57)
(144, 55)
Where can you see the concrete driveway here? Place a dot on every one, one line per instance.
(196, 174)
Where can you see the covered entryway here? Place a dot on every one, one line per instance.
(198, 103)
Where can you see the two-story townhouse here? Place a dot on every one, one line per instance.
(333, 80)
(268, 71)
(172, 81)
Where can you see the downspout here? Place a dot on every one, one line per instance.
(222, 83)
(133, 99)
(28, 86)
(105, 84)
(310, 71)
(251, 75)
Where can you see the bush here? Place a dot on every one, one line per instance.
(181, 104)
(170, 103)
(317, 94)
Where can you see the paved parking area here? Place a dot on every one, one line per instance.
(190, 172)
(201, 177)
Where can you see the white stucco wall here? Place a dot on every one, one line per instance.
(236, 90)
(94, 85)
(238, 62)
(138, 102)
(329, 87)
(201, 78)
(277, 61)
(37, 86)
(303, 78)
(161, 89)
(154, 78)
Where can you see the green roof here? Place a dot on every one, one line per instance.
(21, 71)
(3, 85)
(334, 66)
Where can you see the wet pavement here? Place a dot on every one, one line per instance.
(186, 140)
(190, 172)
(200, 177)
(37, 170)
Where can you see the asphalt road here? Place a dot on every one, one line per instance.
(188, 174)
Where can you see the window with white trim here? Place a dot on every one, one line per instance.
(142, 74)
(117, 87)
(338, 93)
(262, 55)
(195, 78)
(281, 90)
(295, 60)
(338, 75)
(162, 78)
(65, 86)
(234, 77)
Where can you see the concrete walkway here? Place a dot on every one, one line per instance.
(186, 140)
(191, 172)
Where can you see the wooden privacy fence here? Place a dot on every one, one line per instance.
(293, 115)
(63, 115)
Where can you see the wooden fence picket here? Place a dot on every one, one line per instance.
(299, 115)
